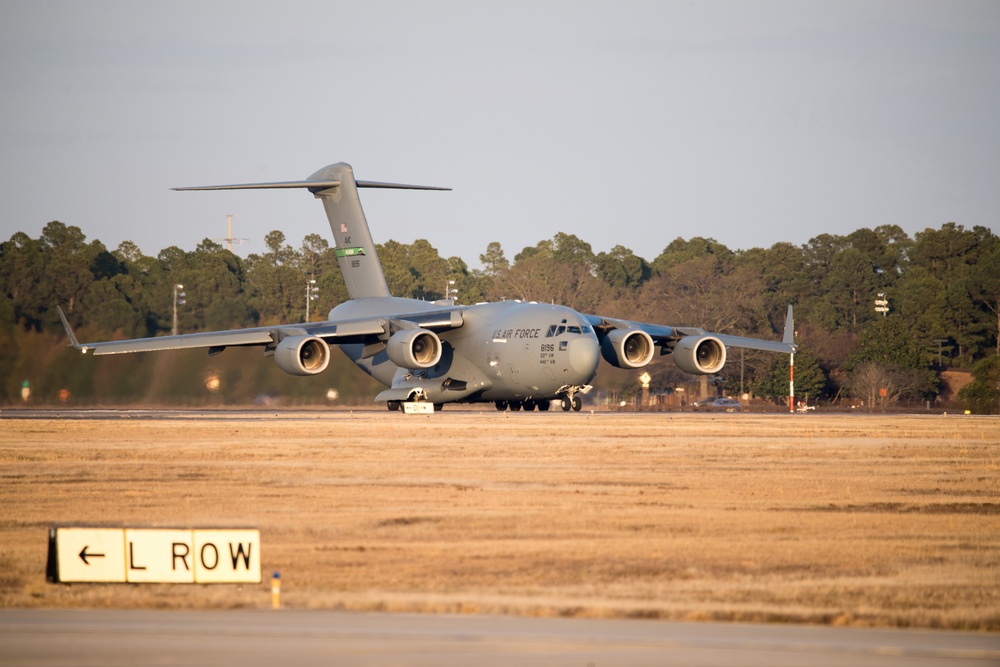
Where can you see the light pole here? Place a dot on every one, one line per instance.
(940, 342)
(178, 300)
(449, 291)
(311, 294)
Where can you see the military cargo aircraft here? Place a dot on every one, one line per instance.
(514, 354)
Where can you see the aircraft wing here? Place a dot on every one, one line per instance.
(336, 332)
(665, 336)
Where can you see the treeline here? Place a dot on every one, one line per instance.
(942, 289)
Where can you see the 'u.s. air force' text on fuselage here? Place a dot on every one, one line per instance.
(553, 330)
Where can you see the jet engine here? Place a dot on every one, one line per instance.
(627, 348)
(414, 348)
(700, 355)
(302, 355)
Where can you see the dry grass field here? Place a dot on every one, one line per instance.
(860, 520)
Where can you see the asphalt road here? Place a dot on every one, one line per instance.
(41, 637)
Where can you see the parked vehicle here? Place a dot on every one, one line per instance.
(724, 403)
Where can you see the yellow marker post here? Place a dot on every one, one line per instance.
(276, 591)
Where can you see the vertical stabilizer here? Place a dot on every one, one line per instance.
(336, 188)
(355, 247)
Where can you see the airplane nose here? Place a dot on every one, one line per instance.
(583, 355)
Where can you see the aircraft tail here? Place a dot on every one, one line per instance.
(335, 186)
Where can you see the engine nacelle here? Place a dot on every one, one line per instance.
(627, 348)
(414, 348)
(302, 355)
(700, 355)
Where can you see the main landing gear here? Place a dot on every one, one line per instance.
(566, 403)
(529, 405)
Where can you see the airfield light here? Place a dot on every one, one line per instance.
(276, 591)
(212, 381)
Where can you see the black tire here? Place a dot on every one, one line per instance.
(438, 407)
(394, 406)
(501, 406)
(543, 406)
(577, 404)
(515, 406)
(566, 404)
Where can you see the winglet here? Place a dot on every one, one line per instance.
(789, 336)
(73, 342)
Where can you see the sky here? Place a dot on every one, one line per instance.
(626, 123)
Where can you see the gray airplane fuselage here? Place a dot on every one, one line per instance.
(515, 354)
(504, 351)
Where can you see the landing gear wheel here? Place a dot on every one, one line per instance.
(543, 406)
(515, 406)
(566, 404)
(577, 404)
(501, 406)
(438, 406)
(529, 406)
(394, 406)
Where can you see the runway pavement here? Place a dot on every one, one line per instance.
(47, 638)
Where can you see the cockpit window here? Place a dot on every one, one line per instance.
(560, 329)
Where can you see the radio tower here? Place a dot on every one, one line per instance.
(229, 237)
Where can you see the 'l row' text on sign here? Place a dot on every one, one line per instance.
(154, 555)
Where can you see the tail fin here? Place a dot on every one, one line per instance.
(336, 187)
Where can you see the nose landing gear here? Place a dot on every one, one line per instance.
(571, 397)
(574, 403)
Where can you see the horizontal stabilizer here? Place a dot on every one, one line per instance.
(397, 186)
(319, 185)
(312, 185)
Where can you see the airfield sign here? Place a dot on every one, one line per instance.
(154, 555)
(90, 554)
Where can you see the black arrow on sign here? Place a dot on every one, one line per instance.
(84, 555)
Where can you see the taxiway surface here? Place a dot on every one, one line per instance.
(47, 638)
